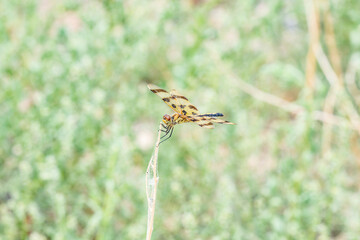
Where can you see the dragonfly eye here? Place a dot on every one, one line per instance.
(167, 118)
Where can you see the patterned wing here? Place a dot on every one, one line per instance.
(201, 121)
(207, 120)
(186, 108)
(166, 97)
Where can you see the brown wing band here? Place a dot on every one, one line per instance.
(177, 96)
(157, 90)
(193, 107)
(206, 124)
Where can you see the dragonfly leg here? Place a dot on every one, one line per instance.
(171, 131)
(166, 132)
(166, 128)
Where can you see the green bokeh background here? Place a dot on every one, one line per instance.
(78, 124)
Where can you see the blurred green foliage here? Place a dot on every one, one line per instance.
(78, 124)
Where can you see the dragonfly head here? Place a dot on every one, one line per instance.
(167, 119)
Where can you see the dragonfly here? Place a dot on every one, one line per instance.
(185, 112)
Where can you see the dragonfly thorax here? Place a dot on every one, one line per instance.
(173, 120)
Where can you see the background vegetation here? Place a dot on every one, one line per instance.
(78, 124)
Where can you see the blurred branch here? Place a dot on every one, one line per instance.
(336, 85)
(152, 179)
(312, 17)
(333, 73)
(330, 100)
(268, 98)
(352, 85)
(326, 66)
(291, 107)
(331, 42)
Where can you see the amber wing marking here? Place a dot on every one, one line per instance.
(166, 97)
(175, 101)
(186, 108)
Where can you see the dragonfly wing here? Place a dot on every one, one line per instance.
(201, 121)
(220, 121)
(204, 121)
(166, 97)
(206, 124)
(186, 108)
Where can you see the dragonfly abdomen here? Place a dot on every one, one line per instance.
(211, 115)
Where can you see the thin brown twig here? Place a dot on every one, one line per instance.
(152, 179)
